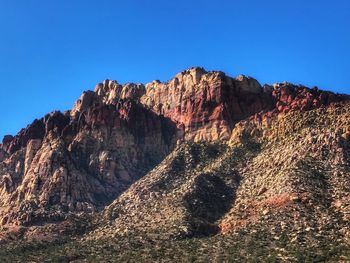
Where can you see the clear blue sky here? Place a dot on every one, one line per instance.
(50, 51)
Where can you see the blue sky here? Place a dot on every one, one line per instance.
(50, 51)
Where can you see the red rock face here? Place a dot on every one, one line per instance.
(82, 159)
(289, 97)
(206, 104)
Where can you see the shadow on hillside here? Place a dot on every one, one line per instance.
(210, 199)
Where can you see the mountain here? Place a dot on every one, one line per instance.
(204, 167)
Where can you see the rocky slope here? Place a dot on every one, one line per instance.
(201, 160)
(292, 176)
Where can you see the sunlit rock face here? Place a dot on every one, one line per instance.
(206, 104)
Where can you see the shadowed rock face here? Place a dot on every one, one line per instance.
(82, 159)
(78, 164)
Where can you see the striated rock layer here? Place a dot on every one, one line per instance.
(80, 160)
